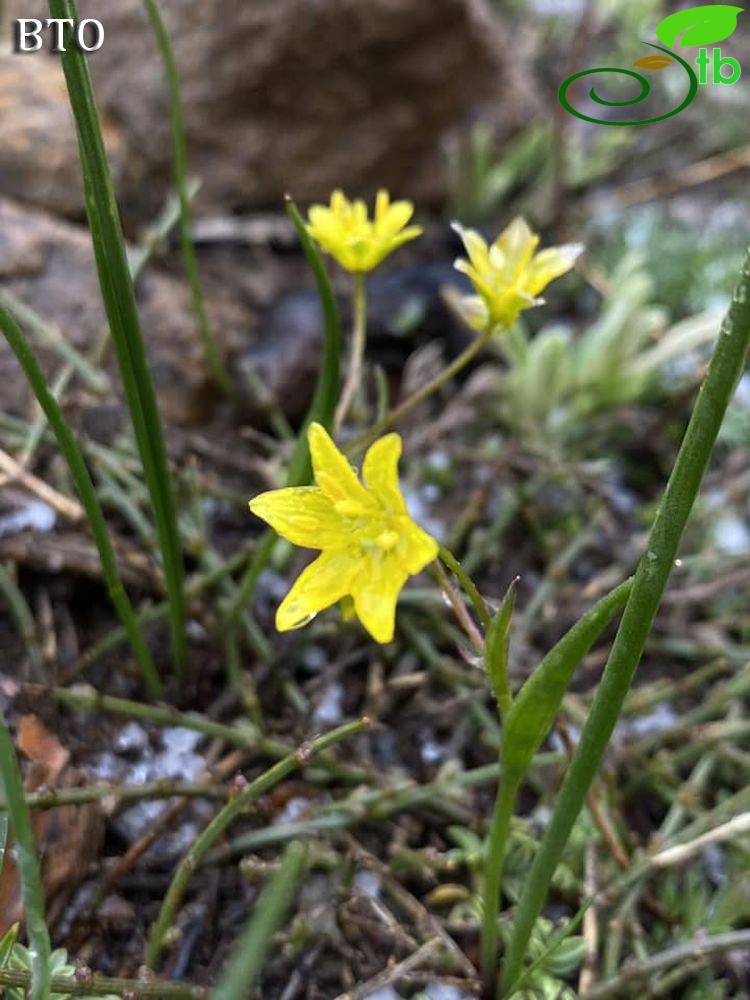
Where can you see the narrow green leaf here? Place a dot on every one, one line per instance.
(699, 25)
(122, 314)
(3, 848)
(74, 457)
(497, 645)
(190, 261)
(321, 409)
(537, 703)
(246, 962)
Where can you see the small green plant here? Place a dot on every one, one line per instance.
(556, 381)
(16, 957)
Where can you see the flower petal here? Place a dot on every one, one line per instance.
(518, 244)
(375, 590)
(416, 549)
(395, 219)
(319, 585)
(303, 515)
(333, 474)
(550, 264)
(380, 472)
(382, 204)
(476, 246)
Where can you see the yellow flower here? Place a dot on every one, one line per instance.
(509, 275)
(357, 243)
(369, 543)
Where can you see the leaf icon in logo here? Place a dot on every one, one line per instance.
(699, 25)
(653, 62)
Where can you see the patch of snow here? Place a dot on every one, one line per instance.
(131, 738)
(444, 991)
(329, 711)
(35, 515)
(368, 883)
(731, 535)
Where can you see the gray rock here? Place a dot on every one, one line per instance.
(299, 96)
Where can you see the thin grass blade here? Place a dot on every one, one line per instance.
(27, 861)
(189, 258)
(250, 952)
(119, 300)
(79, 471)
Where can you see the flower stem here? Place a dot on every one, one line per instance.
(493, 875)
(727, 364)
(357, 352)
(459, 608)
(470, 588)
(453, 369)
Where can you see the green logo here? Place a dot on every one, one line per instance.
(696, 26)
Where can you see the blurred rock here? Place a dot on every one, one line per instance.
(298, 96)
(38, 148)
(405, 310)
(49, 266)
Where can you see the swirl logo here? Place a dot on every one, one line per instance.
(697, 26)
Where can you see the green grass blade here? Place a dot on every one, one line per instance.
(74, 457)
(246, 963)
(20, 610)
(322, 408)
(28, 865)
(179, 142)
(724, 371)
(122, 314)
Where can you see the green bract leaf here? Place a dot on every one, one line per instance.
(537, 703)
(496, 649)
(699, 25)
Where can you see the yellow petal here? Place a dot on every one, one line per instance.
(550, 264)
(333, 474)
(476, 247)
(477, 279)
(382, 204)
(339, 202)
(506, 307)
(380, 472)
(303, 515)
(319, 585)
(416, 548)
(473, 309)
(375, 590)
(395, 218)
(518, 244)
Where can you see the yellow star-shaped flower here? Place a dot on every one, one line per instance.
(359, 244)
(369, 543)
(509, 275)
